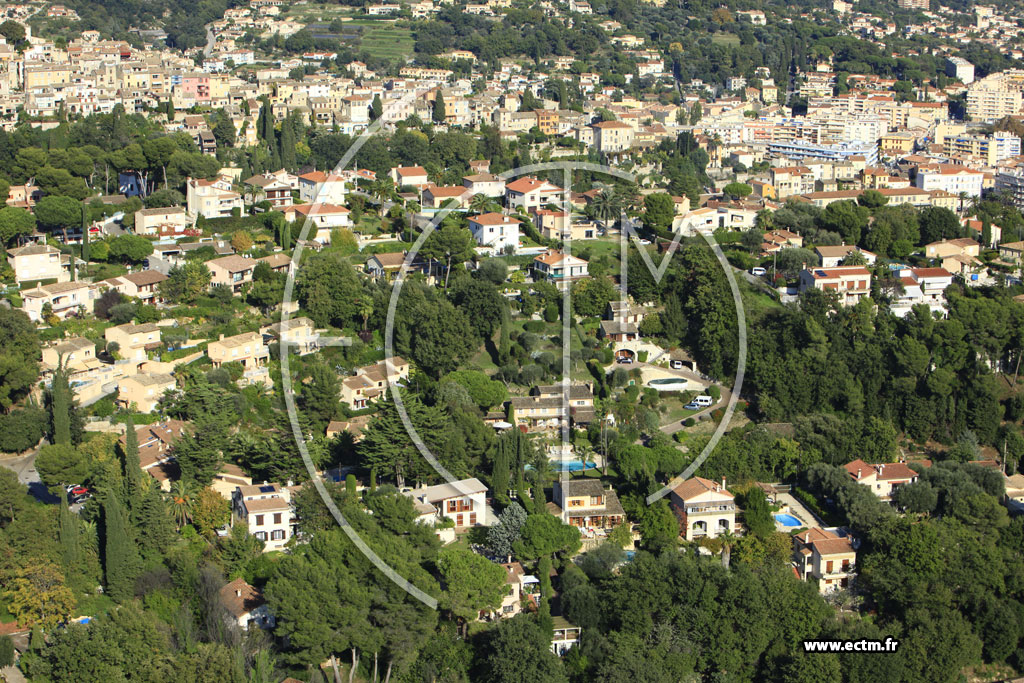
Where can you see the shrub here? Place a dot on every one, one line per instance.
(642, 356)
(551, 313)
(6, 651)
(22, 429)
(714, 392)
(534, 326)
(689, 422)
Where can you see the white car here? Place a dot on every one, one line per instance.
(758, 271)
(645, 242)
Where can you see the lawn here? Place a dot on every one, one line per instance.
(387, 42)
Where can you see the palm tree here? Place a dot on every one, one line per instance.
(181, 503)
(606, 205)
(365, 310)
(481, 203)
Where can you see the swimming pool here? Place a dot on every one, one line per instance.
(669, 384)
(571, 466)
(787, 520)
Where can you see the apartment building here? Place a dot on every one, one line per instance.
(995, 96)
(63, 299)
(987, 149)
(704, 508)
(851, 283)
(951, 179)
(266, 510)
(613, 137)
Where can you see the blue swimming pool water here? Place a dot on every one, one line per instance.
(787, 520)
(571, 466)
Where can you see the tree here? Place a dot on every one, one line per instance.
(484, 391)
(14, 223)
(322, 396)
(376, 108)
(519, 650)
(134, 484)
(737, 190)
(545, 534)
(224, 132)
(938, 223)
(872, 199)
(438, 113)
(61, 464)
(12, 31)
(241, 241)
(210, 511)
(473, 583)
(506, 530)
(451, 244)
(658, 526)
(19, 362)
(186, 283)
(61, 400)
(37, 596)
(130, 248)
(58, 213)
(181, 502)
(659, 211)
(121, 562)
(846, 218)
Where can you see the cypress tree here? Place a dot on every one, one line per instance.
(376, 108)
(60, 406)
(288, 144)
(70, 551)
(132, 466)
(154, 517)
(85, 235)
(500, 470)
(438, 113)
(120, 554)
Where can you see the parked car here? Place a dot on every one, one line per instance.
(758, 271)
(625, 360)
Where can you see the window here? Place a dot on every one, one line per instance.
(597, 500)
(262, 535)
(277, 535)
(277, 518)
(259, 520)
(828, 567)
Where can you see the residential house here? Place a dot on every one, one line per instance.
(486, 184)
(618, 332)
(565, 635)
(63, 299)
(519, 585)
(322, 217)
(883, 479)
(832, 256)
(134, 341)
(247, 349)
(231, 271)
(587, 505)
(464, 501)
(39, 262)
(169, 221)
(370, 382)
(317, 186)
(74, 354)
(269, 188)
(212, 198)
(266, 510)
(409, 176)
(144, 391)
(386, 265)
(246, 605)
(964, 246)
(704, 508)
(299, 334)
(921, 286)
(1012, 252)
(278, 262)
(559, 268)
(558, 225)
(825, 558)
(776, 240)
(434, 196)
(155, 442)
(495, 230)
(144, 285)
(851, 283)
(530, 193)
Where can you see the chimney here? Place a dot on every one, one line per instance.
(238, 592)
(723, 483)
(221, 336)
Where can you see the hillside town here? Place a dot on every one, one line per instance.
(511, 341)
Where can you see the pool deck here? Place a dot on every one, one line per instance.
(798, 510)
